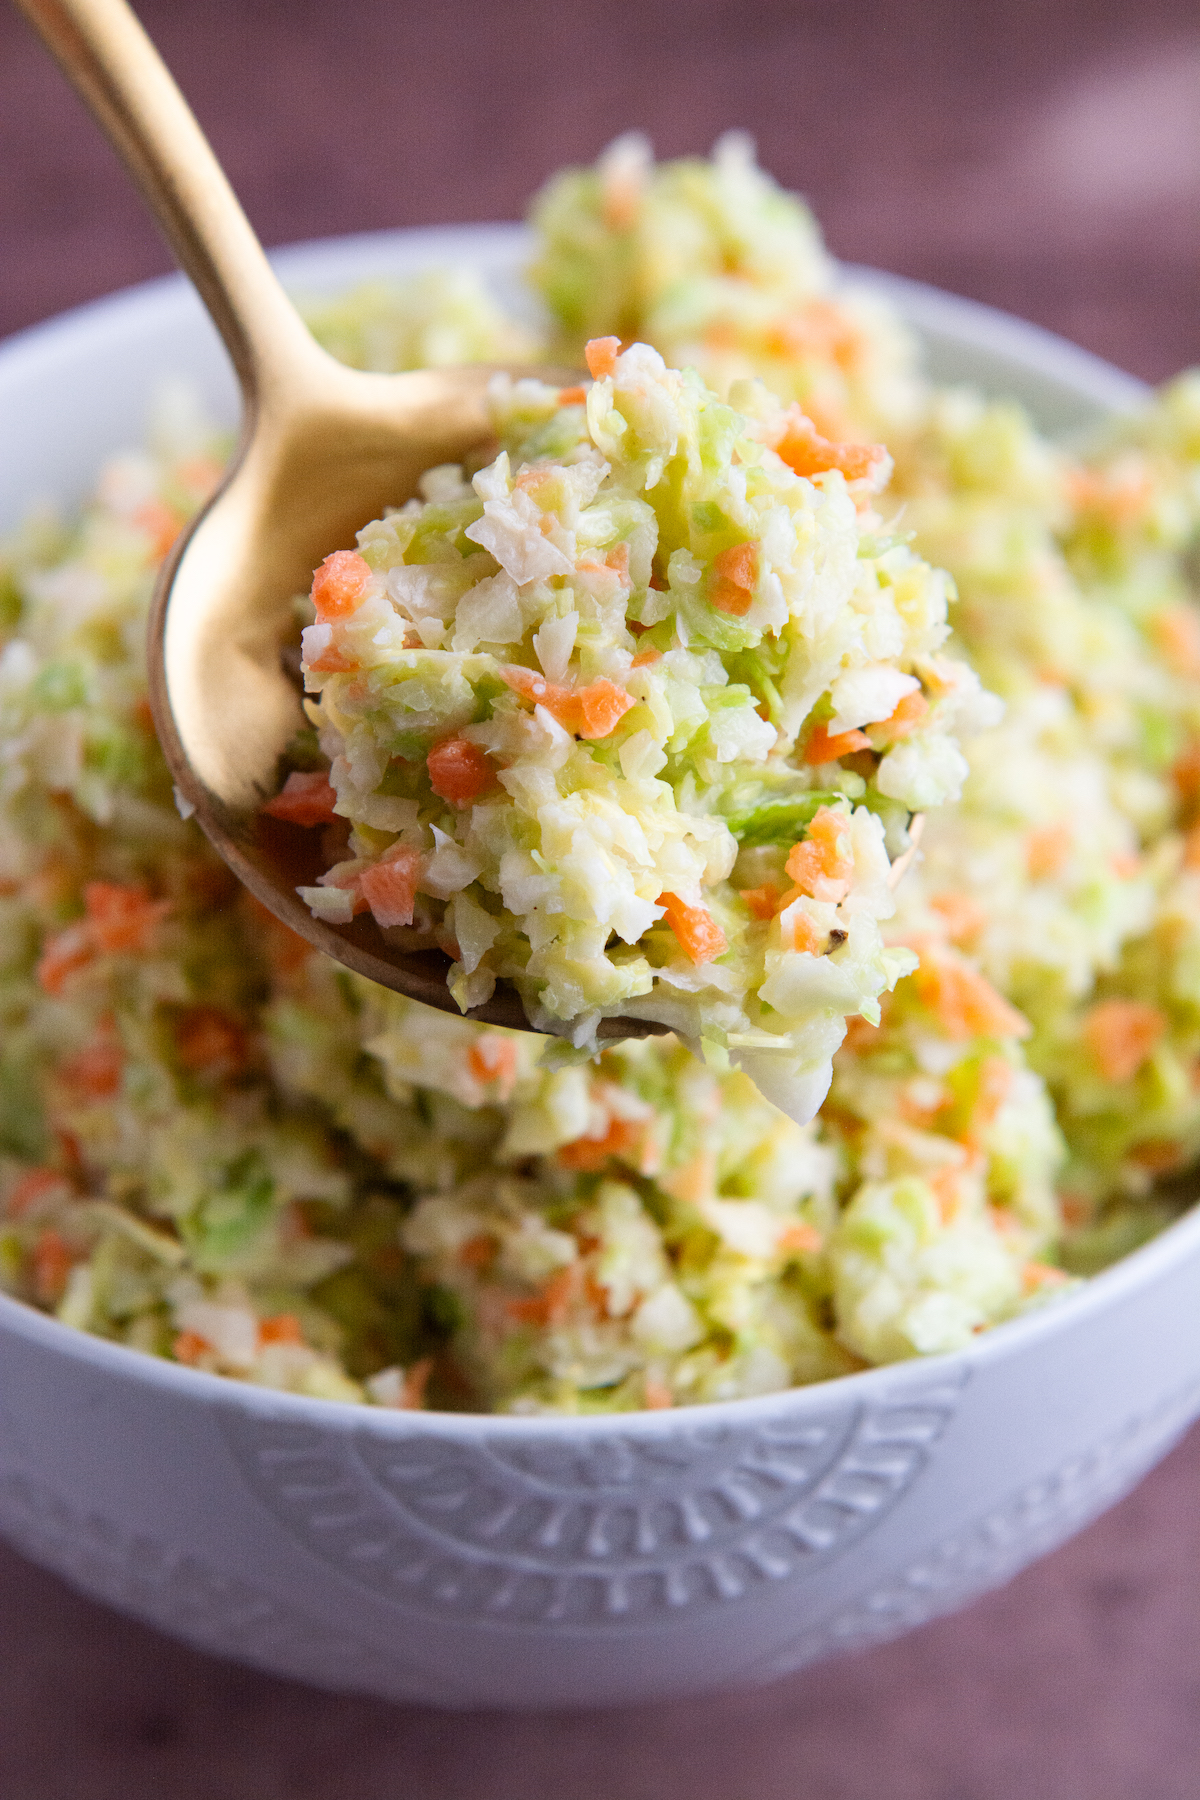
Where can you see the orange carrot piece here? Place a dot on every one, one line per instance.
(738, 564)
(601, 355)
(963, 916)
(822, 864)
(494, 1059)
(964, 1002)
(122, 918)
(305, 799)
(210, 1041)
(1047, 849)
(94, 1073)
(1176, 632)
(280, 1328)
(800, 1238)
(806, 935)
(699, 936)
(339, 585)
(52, 1262)
(30, 1188)
(590, 712)
(618, 561)
(1121, 1035)
(589, 1154)
(806, 452)
(416, 1380)
(479, 1252)
(189, 1347)
(645, 657)
(656, 1395)
(459, 771)
(1039, 1275)
(553, 1304)
(907, 716)
(64, 955)
(735, 572)
(762, 901)
(390, 887)
(161, 524)
(572, 396)
(821, 748)
(603, 704)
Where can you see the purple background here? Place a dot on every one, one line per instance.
(1044, 157)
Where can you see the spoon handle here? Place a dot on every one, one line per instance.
(108, 57)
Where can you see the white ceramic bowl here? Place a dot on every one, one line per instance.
(513, 1562)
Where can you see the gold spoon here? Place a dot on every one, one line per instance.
(323, 450)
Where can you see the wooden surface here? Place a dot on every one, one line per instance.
(1044, 157)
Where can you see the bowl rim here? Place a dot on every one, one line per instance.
(971, 322)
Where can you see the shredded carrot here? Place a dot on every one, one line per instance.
(30, 1188)
(122, 918)
(588, 1154)
(699, 936)
(819, 328)
(211, 1041)
(305, 799)
(656, 1395)
(479, 1252)
(806, 452)
(1047, 849)
(52, 1262)
(646, 656)
(459, 771)
(280, 1328)
(493, 1058)
(416, 1380)
(64, 955)
(340, 585)
(907, 716)
(591, 712)
(1040, 1275)
(735, 572)
(161, 524)
(1191, 848)
(1176, 632)
(189, 1347)
(801, 1239)
(552, 1305)
(1077, 1209)
(806, 935)
(946, 1185)
(1121, 1035)
(94, 1073)
(618, 561)
(572, 396)
(762, 901)
(821, 748)
(1185, 773)
(200, 474)
(389, 887)
(331, 661)
(964, 1002)
(1127, 865)
(601, 355)
(962, 916)
(822, 865)
(1158, 1156)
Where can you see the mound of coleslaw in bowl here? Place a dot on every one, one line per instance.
(633, 715)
